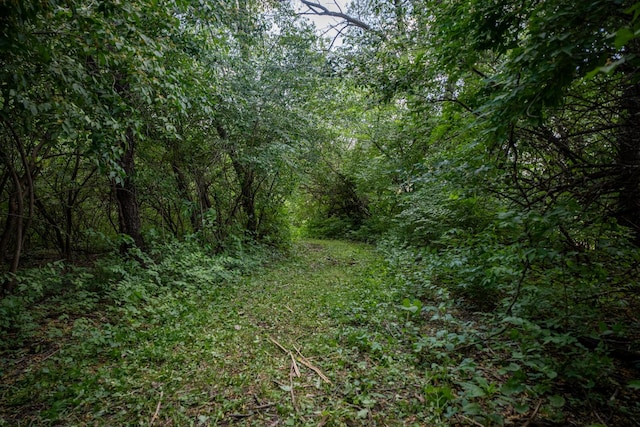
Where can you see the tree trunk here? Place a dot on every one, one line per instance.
(15, 227)
(181, 182)
(55, 225)
(628, 159)
(19, 215)
(72, 195)
(127, 195)
(246, 178)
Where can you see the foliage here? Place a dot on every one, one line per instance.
(505, 171)
(151, 118)
(490, 148)
(181, 331)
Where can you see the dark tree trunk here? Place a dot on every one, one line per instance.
(14, 227)
(72, 195)
(204, 202)
(127, 196)
(21, 202)
(55, 225)
(247, 201)
(181, 182)
(628, 158)
(246, 176)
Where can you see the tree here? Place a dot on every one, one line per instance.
(544, 54)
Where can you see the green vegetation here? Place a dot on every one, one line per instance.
(160, 160)
(198, 347)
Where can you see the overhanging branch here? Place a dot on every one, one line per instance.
(319, 9)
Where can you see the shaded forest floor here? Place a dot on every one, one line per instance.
(304, 341)
(320, 338)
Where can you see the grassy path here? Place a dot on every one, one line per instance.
(327, 306)
(312, 340)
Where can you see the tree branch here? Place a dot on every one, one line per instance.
(319, 9)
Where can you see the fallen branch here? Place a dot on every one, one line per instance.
(474, 422)
(303, 360)
(533, 416)
(291, 375)
(155, 415)
(279, 345)
(240, 415)
(294, 365)
(309, 365)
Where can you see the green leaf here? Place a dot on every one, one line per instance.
(472, 408)
(556, 401)
(623, 35)
(513, 386)
(362, 414)
(473, 390)
(634, 384)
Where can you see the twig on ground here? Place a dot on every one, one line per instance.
(474, 422)
(279, 345)
(309, 365)
(533, 416)
(50, 354)
(303, 360)
(293, 395)
(155, 414)
(265, 406)
(323, 421)
(240, 415)
(294, 371)
(294, 365)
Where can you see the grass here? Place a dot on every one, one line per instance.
(208, 355)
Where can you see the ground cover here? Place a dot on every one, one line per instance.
(328, 335)
(306, 340)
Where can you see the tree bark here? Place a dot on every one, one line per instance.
(127, 195)
(19, 215)
(15, 227)
(183, 189)
(628, 159)
(246, 177)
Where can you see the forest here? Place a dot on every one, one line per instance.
(467, 173)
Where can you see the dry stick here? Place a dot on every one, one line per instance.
(49, 355)
(155, 415)
(279, 345)
(294, 365)
(315, 369)
(533, 416)
(302, 360)
(308, 364)
(265, 406)
(293, 371)
(239, 415)
(474, 422)
(293, 396)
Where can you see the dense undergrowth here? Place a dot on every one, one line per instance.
(76, 338)
(181, 337)
(515, 358)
